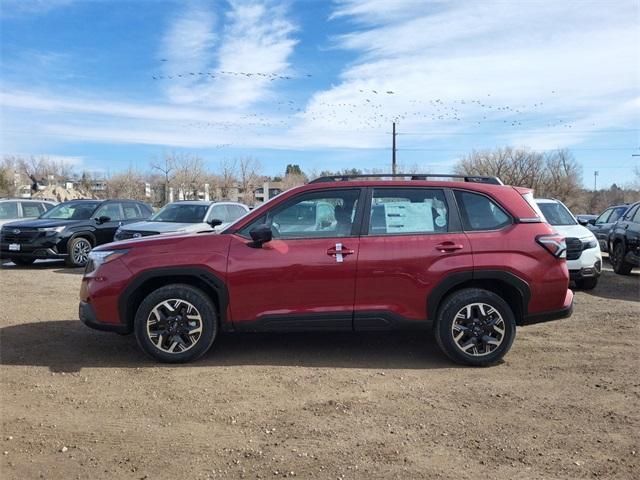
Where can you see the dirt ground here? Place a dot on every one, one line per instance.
(77, 403)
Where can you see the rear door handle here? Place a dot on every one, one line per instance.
(446, 247)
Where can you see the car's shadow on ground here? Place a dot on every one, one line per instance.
(69, 346)
(59, 266)
(616, 287)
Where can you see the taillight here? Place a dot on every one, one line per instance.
(554, 244)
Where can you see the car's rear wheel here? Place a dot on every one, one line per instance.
(587, 283)
(475, 327)
(617, 260)
(23, 262)
(78, 252)
(176, 323)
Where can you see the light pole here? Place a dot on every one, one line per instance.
(595, 180)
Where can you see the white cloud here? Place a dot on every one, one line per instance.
(254, 37)
(455, 67)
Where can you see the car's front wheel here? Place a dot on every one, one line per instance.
(475, 327)
(78, 252)
(176, 323)
(618, 262)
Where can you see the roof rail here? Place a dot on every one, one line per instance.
(410, 176)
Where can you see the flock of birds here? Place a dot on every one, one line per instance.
(371, 109)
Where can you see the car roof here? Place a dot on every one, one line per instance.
(26, 200)
(191, 202)
(546, 200)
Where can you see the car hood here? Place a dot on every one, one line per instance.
(165, 227)
(168, 240)
(43, 223)
(576, 231)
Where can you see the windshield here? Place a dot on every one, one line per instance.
(180, 213)
(71, 211)
(556, 213)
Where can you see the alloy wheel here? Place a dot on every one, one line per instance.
(174, 326)
(81, 251)
(478, 329)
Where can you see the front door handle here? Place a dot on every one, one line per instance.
(447, 247)
(339, 251)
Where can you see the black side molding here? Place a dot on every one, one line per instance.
(205, 276)
(548, 316)
(458, 278)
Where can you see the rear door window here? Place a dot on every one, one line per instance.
(8, 210)
(31, 209)
(397, 211)
(130, 211)
(480, 213)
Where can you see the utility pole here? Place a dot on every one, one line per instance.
(595, 180)
(393, 150)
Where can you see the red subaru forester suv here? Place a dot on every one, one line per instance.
(467, 256)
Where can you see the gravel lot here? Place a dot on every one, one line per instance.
(83, 404)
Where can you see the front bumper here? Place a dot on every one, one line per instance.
(564, 312)
(586, 272)
(37, 253)
(88, 316)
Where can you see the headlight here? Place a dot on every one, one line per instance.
(51, 229)
(591, 243)
(100, 257)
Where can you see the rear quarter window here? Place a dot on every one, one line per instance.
(480, 213)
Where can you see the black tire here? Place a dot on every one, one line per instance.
(208, 323)
(446, 316)
(77, 252)
(617, 260)
(23, 262)
(587, 283)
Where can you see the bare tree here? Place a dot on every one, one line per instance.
(189, 174)
(249, 170)
(555, 174)
(228, 177)
(128, 184)
(165, 167)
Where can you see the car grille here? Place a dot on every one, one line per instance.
(23, 235)
(574, 248)
(127, 234)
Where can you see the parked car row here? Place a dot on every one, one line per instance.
(70, 230)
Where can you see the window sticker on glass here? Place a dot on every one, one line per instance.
(403, 217)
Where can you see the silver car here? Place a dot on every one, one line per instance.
(22, 208)
(184, 217)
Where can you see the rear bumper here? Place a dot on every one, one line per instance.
(88, 316)
(564, 312)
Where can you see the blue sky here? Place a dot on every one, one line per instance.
(108, 85)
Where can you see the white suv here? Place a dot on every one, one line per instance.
(185, 216)
(583, 252)
(14, 209)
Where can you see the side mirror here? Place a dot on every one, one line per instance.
(583, 222)
(103, 219)
(592, 221)
(215, 222)
(260, 235)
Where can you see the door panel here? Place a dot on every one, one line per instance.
(407, 250)
(105, 231)
(288, 278)
(304, 277)
(396, 273)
